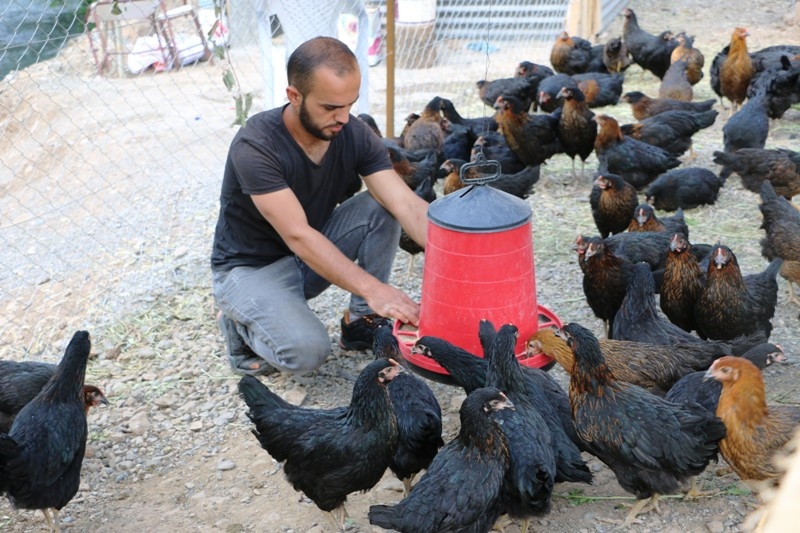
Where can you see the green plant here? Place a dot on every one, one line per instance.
(243, 101)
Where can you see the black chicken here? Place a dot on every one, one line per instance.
(612, 200)
(651, 52)
(493, 146)
(694, 388)
(574, 55)
(524, 89)
(466, 369)
(576, 129)
(528, 483)
(650, 444)
(605, 279)
(748, 128)
(671, 130)
(637, 162)
(469, 372)
(21, 381)
(329, 453)
(547, 95)
(41, 457)
(732, 304)
(534, 138)
(684, 188)
(419, 416)
(476, 125)
(638, 318)
(600, 89)
(615, 55)
(782, 226)
(780, 166)
(460, 491)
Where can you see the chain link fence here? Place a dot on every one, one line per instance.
(114, 127)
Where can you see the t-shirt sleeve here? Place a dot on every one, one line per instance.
(259, 172)
(374, 156)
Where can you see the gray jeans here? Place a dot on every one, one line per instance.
(269, 303)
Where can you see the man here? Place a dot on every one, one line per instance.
(283, 236)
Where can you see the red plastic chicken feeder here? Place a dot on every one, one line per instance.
(478, 264)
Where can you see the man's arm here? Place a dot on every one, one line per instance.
(284, 212)
(396, 196)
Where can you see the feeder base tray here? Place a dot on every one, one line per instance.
(429, 369)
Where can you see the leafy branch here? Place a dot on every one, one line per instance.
(242, 101)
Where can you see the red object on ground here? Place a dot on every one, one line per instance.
(479, 264)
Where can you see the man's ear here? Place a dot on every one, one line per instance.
(293, 95)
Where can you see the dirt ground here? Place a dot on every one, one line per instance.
(174, 451)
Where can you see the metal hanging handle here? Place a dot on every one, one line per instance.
(481, 171)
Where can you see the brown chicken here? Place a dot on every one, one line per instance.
(682, 284)
(755, 430)
(736, 70)
(675, 84)
(574, 55)
(779, 166)
(615, 56)
(637, 162)
(612, 200)
(534, 138)
(644, 106)
(782, 226)
(655, 367)
(645, 219)
(693, 56)
(732, 304)
(576, 129)
(651, 445)
(426, 132)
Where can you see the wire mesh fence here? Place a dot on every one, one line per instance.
(114, 128)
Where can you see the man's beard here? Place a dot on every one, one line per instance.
(310, 127)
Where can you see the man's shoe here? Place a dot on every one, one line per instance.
(359, 334)
(242, 358)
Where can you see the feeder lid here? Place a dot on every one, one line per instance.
(479, 209)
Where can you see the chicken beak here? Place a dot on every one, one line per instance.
(719, 258)
(708, 375)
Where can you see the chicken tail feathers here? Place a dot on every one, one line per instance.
(382, 515)
(258, 397)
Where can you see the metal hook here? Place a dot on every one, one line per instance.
(481, 171)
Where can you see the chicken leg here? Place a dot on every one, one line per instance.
(52, 518)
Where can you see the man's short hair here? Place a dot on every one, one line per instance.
(315, 53)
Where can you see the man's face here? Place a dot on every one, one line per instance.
(326, 108)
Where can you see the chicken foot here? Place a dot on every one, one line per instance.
(338, 516)
(694, 491)
(641, 506)
(52, 518)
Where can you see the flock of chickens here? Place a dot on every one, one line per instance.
(675, 382)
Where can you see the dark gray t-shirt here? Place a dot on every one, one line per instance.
(264, 158)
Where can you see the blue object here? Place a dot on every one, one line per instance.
(482, 46)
